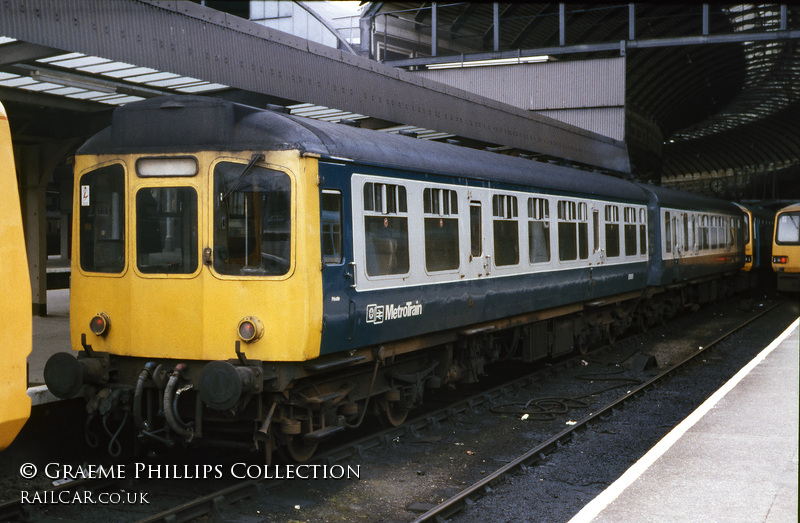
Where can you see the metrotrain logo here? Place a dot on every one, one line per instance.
(377, 314)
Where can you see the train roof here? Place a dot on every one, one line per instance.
(757, 211)
(676, 199)
(790, 208)
(193, 123)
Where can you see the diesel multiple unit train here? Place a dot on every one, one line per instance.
(16, 325)
(247, 277)
(786, 248)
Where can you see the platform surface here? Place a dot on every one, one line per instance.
(734, 459)
(50, 335)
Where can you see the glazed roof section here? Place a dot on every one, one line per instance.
(97, 79)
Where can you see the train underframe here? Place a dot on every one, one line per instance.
(286, 409)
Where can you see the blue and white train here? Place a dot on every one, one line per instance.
(247, 276)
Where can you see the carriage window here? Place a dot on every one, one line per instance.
(386, 229)
(685, 232)
(630, 231)
(596, 229)
(583, 231)
(538, 230)
(506, 230)
(252, 220)
(667, 232)
(441, 229)
(573, 230)
(643, 231)
(475, 230)
(612, 230)
(704, 233)
(714, 231)
(331, 210)
(102, 220)
(166, 230)
(567, 231)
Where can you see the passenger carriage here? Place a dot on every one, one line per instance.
(250, 277)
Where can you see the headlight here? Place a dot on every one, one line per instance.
(99, 324)
(250, 329)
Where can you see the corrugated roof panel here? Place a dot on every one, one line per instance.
(88, 95)
(19, 81)
(64, 91)
(59, 57)
(202, 88)
(151, 77)
(75, 63)
(40, 86)
(125, 73)
(107, 67)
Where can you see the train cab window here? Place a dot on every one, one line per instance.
(252, 220)
(506, 229)
(386, 229)
(166, 230)
(441, 229)
(629, 231)
(746, 229)
(331, 216)
(538, 230)
(788, 229)
(475, 229)
(667, 232)
(612, 230)
(102, 220)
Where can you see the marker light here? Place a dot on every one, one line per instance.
(250, 329)
(99, 324)
(780, 259)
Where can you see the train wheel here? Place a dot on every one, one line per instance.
(643, 322)
(269, 449)
(582, 341)
(611, 334)
(393, 411)
(299, 449)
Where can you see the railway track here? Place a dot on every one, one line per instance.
(539, 453)
(214, 501)
(217, 499)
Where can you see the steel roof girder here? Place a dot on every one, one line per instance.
(192, 40)
(679, 41)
